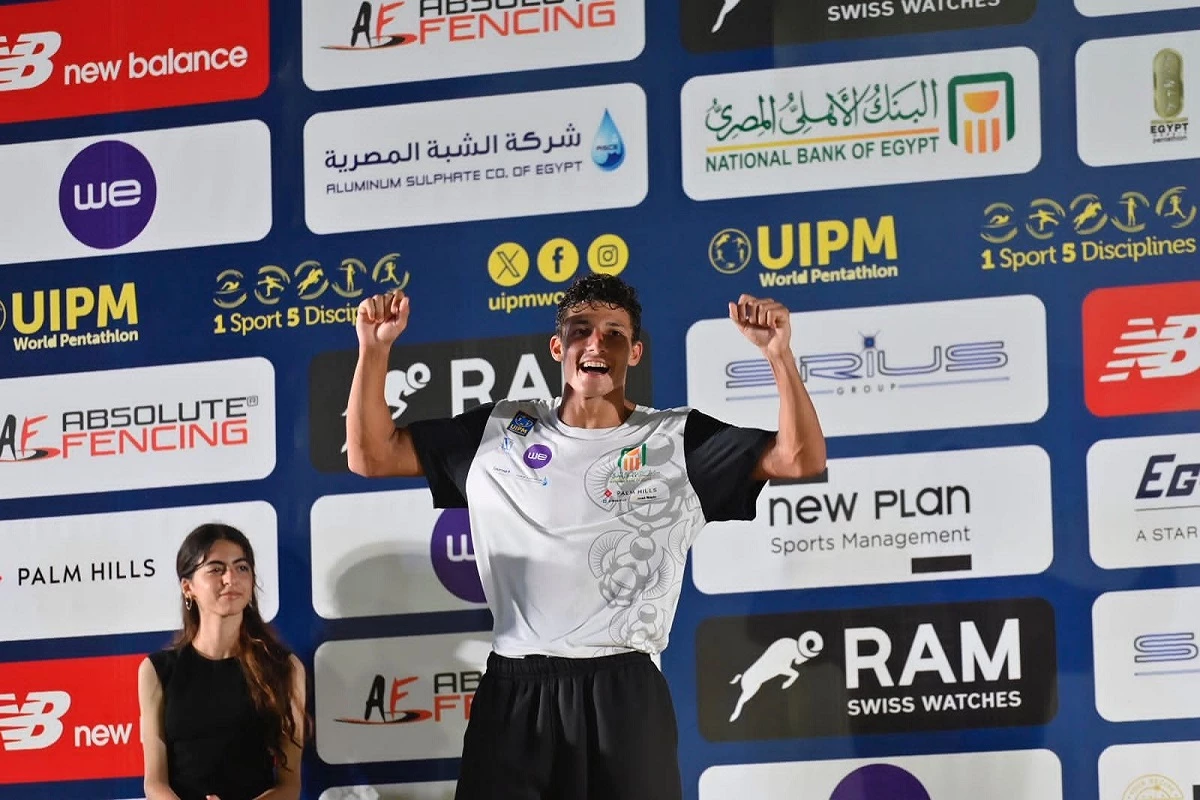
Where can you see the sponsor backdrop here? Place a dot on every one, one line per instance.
(982, 215)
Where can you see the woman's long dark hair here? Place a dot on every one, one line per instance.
(264, 658)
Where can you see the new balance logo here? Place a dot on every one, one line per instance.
(34, 724)
(1172, 352)
(25, 62)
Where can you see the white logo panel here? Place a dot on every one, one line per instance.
(382, 553)
(1150, 79)
(479, 158)
(1146, 648)
(404, 698)
(1104, 8)
(1142, 501)
(864, 123)
(431, 790)
(136, 192)
(140, 428)
(980, 776)
(106, 574)
(889, 519)
(883, 369)
(401, 42)
(1166, 770)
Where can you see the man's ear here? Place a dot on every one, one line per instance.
(635, 354)
(556, 348)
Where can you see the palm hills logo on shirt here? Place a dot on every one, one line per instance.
(715, 25)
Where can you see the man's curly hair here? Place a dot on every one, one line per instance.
(606, 290)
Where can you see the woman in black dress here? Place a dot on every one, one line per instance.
(223, 708)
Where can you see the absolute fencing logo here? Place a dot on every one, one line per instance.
(878, 670)
(441, 379)
(363, 43)
(142, 427)
(404, 698)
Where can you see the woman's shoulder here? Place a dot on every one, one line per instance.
(164, 662)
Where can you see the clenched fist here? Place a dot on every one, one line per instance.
(765, 322)
(381, 319)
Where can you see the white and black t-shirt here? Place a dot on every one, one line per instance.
(581, 535)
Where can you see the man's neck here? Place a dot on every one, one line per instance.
(608, 411)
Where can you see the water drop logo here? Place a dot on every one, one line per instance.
(608, 149)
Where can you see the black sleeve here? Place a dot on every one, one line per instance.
(163, 662)
(446, 447)
(720, 462)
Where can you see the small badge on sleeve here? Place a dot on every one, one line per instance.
(522, 423)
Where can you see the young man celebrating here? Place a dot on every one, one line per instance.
(582, 512)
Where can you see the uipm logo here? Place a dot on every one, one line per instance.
(776, 661)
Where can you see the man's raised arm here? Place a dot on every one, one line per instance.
(375, 446)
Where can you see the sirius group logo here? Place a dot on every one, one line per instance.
(107, 194)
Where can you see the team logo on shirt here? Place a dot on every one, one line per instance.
(632, 459)
(521, 424)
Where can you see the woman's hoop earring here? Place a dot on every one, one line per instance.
(187, 602)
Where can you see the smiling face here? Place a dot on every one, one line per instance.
(223, 583)
(595, 346)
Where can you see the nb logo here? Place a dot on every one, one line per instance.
(35, 724)
(1172, 352)
(118, 194)
(25, 63)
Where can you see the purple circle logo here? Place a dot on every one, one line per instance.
(879, 782)
(537, 456)
(453, 555)
(107, 194)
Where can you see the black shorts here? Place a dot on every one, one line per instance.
(547, 728)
